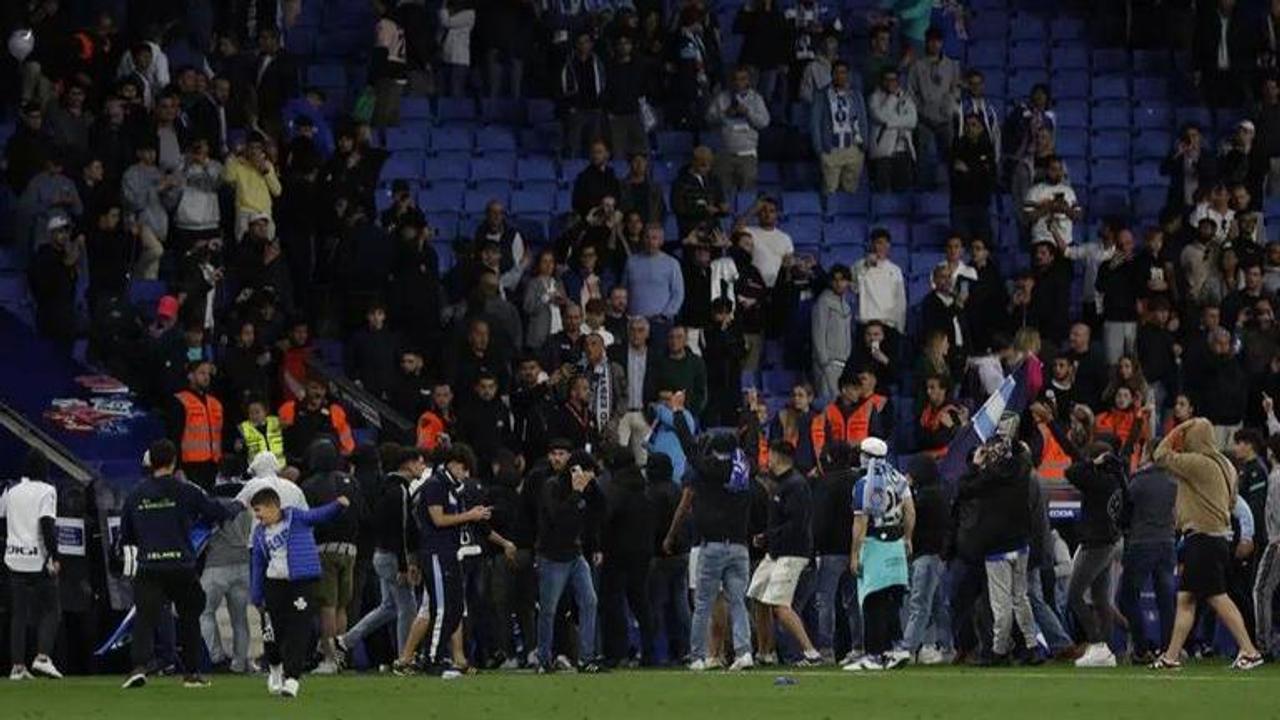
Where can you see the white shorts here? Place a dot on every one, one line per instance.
(424, 607)
(775, 579)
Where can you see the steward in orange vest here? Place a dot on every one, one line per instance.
(197, 426)
(314, 417)
(1050, 446)
(857, 414)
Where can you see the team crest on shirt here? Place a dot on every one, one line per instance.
(300, 603)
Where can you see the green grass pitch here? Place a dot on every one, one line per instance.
(1204, 691)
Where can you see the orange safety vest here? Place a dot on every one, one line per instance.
(337, 421)
(852, 429)
(1053, 460)
(201, 428)
(929, 420)
(1125, 424)
(430, 427)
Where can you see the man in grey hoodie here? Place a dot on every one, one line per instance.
(741, 113)
(832, 326)
(1268, 577)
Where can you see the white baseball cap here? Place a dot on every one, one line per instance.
(875, 447)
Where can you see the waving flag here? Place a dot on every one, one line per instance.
(1015, 393)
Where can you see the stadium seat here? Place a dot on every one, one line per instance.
(403, 139)
(801, 204)
(1147, 172)
(1070, 141)
(402, 165)
(456, 110)
(541, 111)
(1021, 81)
(1071, 114)
(1024, 26)
(1027, 55)
(494, 167)
(1069, 56)
(848, 231)
(1067, 28)
(1150, 89)
(495, 139)
(986, 55)
(1070, 85)
(571, 168)
(1151, 62)
(805, 230)
(1110, 60)
(526, 202)
(842, 205)
(502, 111)
(445, 139)
(675, 144)
(536, 168)
(1110, 144)
(931, 205)
(897, 205)
(1197, 115)
(1109, 87)
(1109, 171)
(769, 173)
(1152, 116)
(327, 75)
(929, 236)
(415, 108)
(438, 168)
(1109, 201)
(475, 202)
(1151, 144)
(1110, 116)
(1148, 202)
(437, 199)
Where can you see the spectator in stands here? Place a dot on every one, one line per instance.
(503, 27)
(942, 315)
(940, 419)
(513, 255)
(414, 286)
(458, 19)
(1266, 117)
(855, 414)
(1223, 54)
(68, 123)
(880, 287)
(741, 113)
(640, 193)
(276, 81)
(1034, 166)
(1226, 278)
(260, 432)
(147, 191)
(111, 246)
(198, 215)
(764, 28)
(893, 124)
(973, 101)
(49, 192)
(655, 283)
(629, 83)
(544, 299)
(839, 131)
(371, 354)
(769, 243)
(148, 66)
(832, 327)
(800, 425)
(1195, 260)
(24, 153)
(1120, 285)
(314, 417)
(973, 180)
(819, 72)
(1157, 268)
(1236, 162)
(484, 423)
(1189, 167)
(697, 195)
(933, 80)
(52, 278)
(1052, 275)
(1240, 300)
(1051, 208)
(1155, 350)
(697, 67)
(253, 177)
(564, 348)
(582, 85)
(879, 57)
(1223, 388)
(987, 295)
(1026, 123)
(875, 351)
(596, 181)
(679, 369)
(436, 423)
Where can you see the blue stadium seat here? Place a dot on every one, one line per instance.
(843, 205)
(1109, 171)
(451, 139)
(541, 111)
(899, 233)
(497, 166)
(675, 144)
(926, 236)
(301, 41)
(541, 139)
(406, 164)
(1151, 62)
(801, 204)
(924, 261)
(743, 200)
(1027, 55)
(1196, 114)
(571, 168)
(1110, 116)
(494, 188)
(1070, 141)
(805, 230)
(526, 202)
(1077, 168)
(984, 54)
(404, 139)
(1070, 85)
(890, 205)
(1152, 116)
(1150, 89)
(777, 382)
(769, 173)
(1067, 28)
(1147, 172)
(327, 75)
(143, 294)
(931, 205)
(536, 168)
(1109, 201)
(1023, 26)
(456, 110)
(441, 199)
(1110, 60)
(849, 231)
(415, 108)
(841, 254)
(1148, 202)
(1110, 144)
(1069, 56)
(474, 202)
(564, 200)
(1021, 81)
(502, 111)
(666, 171)
(1151, 144)
(1072, 114)
(800, 176)
(1109, 87)
(495, 139)
(437, 169)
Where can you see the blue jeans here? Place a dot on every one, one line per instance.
(727, 566)
(553, 576)
(1047, 618)
(836, 590)
(928, 613)
(398, 603)
(1142, 561)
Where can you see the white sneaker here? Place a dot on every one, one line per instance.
(895, 659)
(275, 679)
(742, 662)
(714, 662)
(698, 665)
(769, 658)
(20, 672)
(326, 667)
(532, 659)
(563, 664)
(290, 688)
(863, 664)
(510, 664)
(43, 665)
(852, 656)
(1098, 655)
(450, 674)
(930, 655)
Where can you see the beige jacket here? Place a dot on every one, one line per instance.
(1206, 478)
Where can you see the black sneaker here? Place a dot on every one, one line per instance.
(195, 680)
(340, 652)
(403, 669)
(136, 680)
(993, 661)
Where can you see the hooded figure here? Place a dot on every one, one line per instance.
(626, 539)
(264, 470)
(1206, 478)
(327, 483)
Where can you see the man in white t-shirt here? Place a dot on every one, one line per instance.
(1051, 208)
(30, 511)
(879, 286)
(769, 243)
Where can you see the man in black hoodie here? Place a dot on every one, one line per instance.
(789, 545)
(669, 570)
(513, 581)
(484, 422)
(1101, 478)
(832, 538)
(928, 615)
(336, 542)
(627, 542)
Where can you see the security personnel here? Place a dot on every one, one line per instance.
(315, 418)
(196, 426)
(1054, 456)
(855, 415)
(261, 432)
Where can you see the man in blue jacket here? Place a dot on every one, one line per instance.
(838, 127)
(155, 541)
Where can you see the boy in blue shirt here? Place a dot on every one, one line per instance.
(284, 568)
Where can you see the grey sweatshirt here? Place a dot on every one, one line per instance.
(832, 326)
(740, 135)
(1153, 492)
(1273, 506)
(140, 188)
(935, 86)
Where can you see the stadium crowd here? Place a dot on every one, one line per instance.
(594, 476)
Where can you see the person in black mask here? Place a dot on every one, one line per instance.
(835, 592)
(669, 570)
(626, 542)
(513, 582)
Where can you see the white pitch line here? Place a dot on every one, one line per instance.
(1093, 674)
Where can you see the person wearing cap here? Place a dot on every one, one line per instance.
(52, 277)
(253, 177)
(569, 506)
(29, 509)
(146, 190)
(884, 518)
(48, 193)
(788, 544)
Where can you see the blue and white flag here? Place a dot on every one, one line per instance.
(1013, 395)
(987, 419)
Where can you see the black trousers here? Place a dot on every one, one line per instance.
(624, 583)
(153, 590)
(34, 601)
(444, 586)
(882, 619)
(291, 609)
(514, 592)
